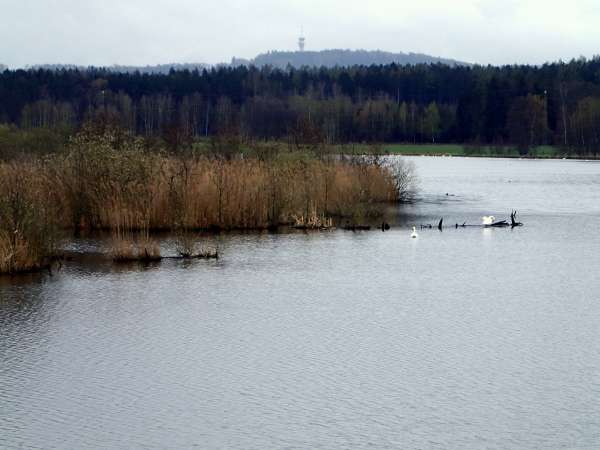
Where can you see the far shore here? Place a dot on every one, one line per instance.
(460, 150)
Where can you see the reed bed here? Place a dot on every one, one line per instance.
(212, 194)
(28, 217)
(113, 183)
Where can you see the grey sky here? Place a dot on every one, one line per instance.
(136, 32)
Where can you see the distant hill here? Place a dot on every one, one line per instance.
(342, 58)
(3, 67)
(158, 69)
(279, 59)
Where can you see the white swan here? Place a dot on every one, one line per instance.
(414, 233)
(487, 220)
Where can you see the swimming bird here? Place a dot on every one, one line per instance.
(414, 233)
(487, 220)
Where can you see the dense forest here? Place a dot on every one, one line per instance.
(524, 106)
(154, 69)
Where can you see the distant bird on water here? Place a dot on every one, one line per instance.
(414, 234)
(487, 220)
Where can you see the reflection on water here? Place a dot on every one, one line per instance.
(468, 338)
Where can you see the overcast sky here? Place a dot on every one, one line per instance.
(139, 32)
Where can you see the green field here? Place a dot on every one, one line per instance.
(543, 151)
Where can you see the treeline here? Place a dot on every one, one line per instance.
(525, 106)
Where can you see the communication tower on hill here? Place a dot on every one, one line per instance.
(301, 41)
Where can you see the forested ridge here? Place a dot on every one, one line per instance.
(524, 106)
(341, 58)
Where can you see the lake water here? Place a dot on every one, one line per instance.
(466, 338)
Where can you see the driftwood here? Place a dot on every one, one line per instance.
(513, 220)
(182, 256)
(142, 258)
(357, 227)
(428, 226)
(499, 224)
(204, 255)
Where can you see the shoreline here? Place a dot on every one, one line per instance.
(465, 151)
(541, 158)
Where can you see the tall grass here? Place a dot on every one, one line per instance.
(111, 181)
(29, 217)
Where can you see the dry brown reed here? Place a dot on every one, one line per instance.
(28, 217)
(108, 182)
(166, 193)
(134, 248)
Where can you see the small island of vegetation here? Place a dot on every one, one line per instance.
(107, 179)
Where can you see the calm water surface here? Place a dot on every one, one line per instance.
(468, 338)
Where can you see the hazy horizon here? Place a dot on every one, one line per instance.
(139, 33)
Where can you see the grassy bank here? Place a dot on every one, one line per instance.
(544, 151)
(112, 181)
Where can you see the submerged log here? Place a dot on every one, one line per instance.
(181, 256)
(500, 224)
(141, 259)
(357, 227)
(203, 255)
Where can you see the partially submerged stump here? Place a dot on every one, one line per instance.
(182, 256)
(513, 220)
